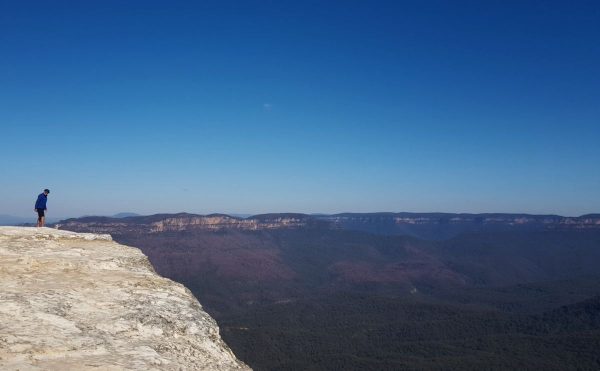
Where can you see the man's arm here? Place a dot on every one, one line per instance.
(38, 203)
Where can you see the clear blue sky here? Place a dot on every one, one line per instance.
(304, 106)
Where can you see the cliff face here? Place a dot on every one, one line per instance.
(422, 225)
(183, 222)
(224, 221)
(72, 301)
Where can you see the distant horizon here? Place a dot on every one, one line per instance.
(246, 215)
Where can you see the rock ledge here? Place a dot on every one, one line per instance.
(78, 301)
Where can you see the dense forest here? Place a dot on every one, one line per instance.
(347, 331)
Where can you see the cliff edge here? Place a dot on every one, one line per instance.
(79, 301)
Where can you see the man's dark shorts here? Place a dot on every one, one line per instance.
(40, 213)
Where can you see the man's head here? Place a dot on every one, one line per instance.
(46, 191)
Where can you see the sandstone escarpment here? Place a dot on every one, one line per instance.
(187, 222)
(71, 301)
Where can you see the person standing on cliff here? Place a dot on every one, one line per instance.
(40, 207)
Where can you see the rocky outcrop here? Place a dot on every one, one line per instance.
(71, 301)
(509, 220)
(219, 222)
(439, 226)
(186, 222)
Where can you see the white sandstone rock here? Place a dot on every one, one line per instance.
(78, 301)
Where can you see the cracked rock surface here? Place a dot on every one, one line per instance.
(79, 301)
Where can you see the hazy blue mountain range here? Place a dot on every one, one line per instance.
(125, 215)
(21, 220)
(15, 220)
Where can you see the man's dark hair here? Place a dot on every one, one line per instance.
(47, 190)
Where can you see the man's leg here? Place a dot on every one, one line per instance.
(42, 221)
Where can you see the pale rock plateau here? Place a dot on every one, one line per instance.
(75, 301)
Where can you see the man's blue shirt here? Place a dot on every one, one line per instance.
(41, 201)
